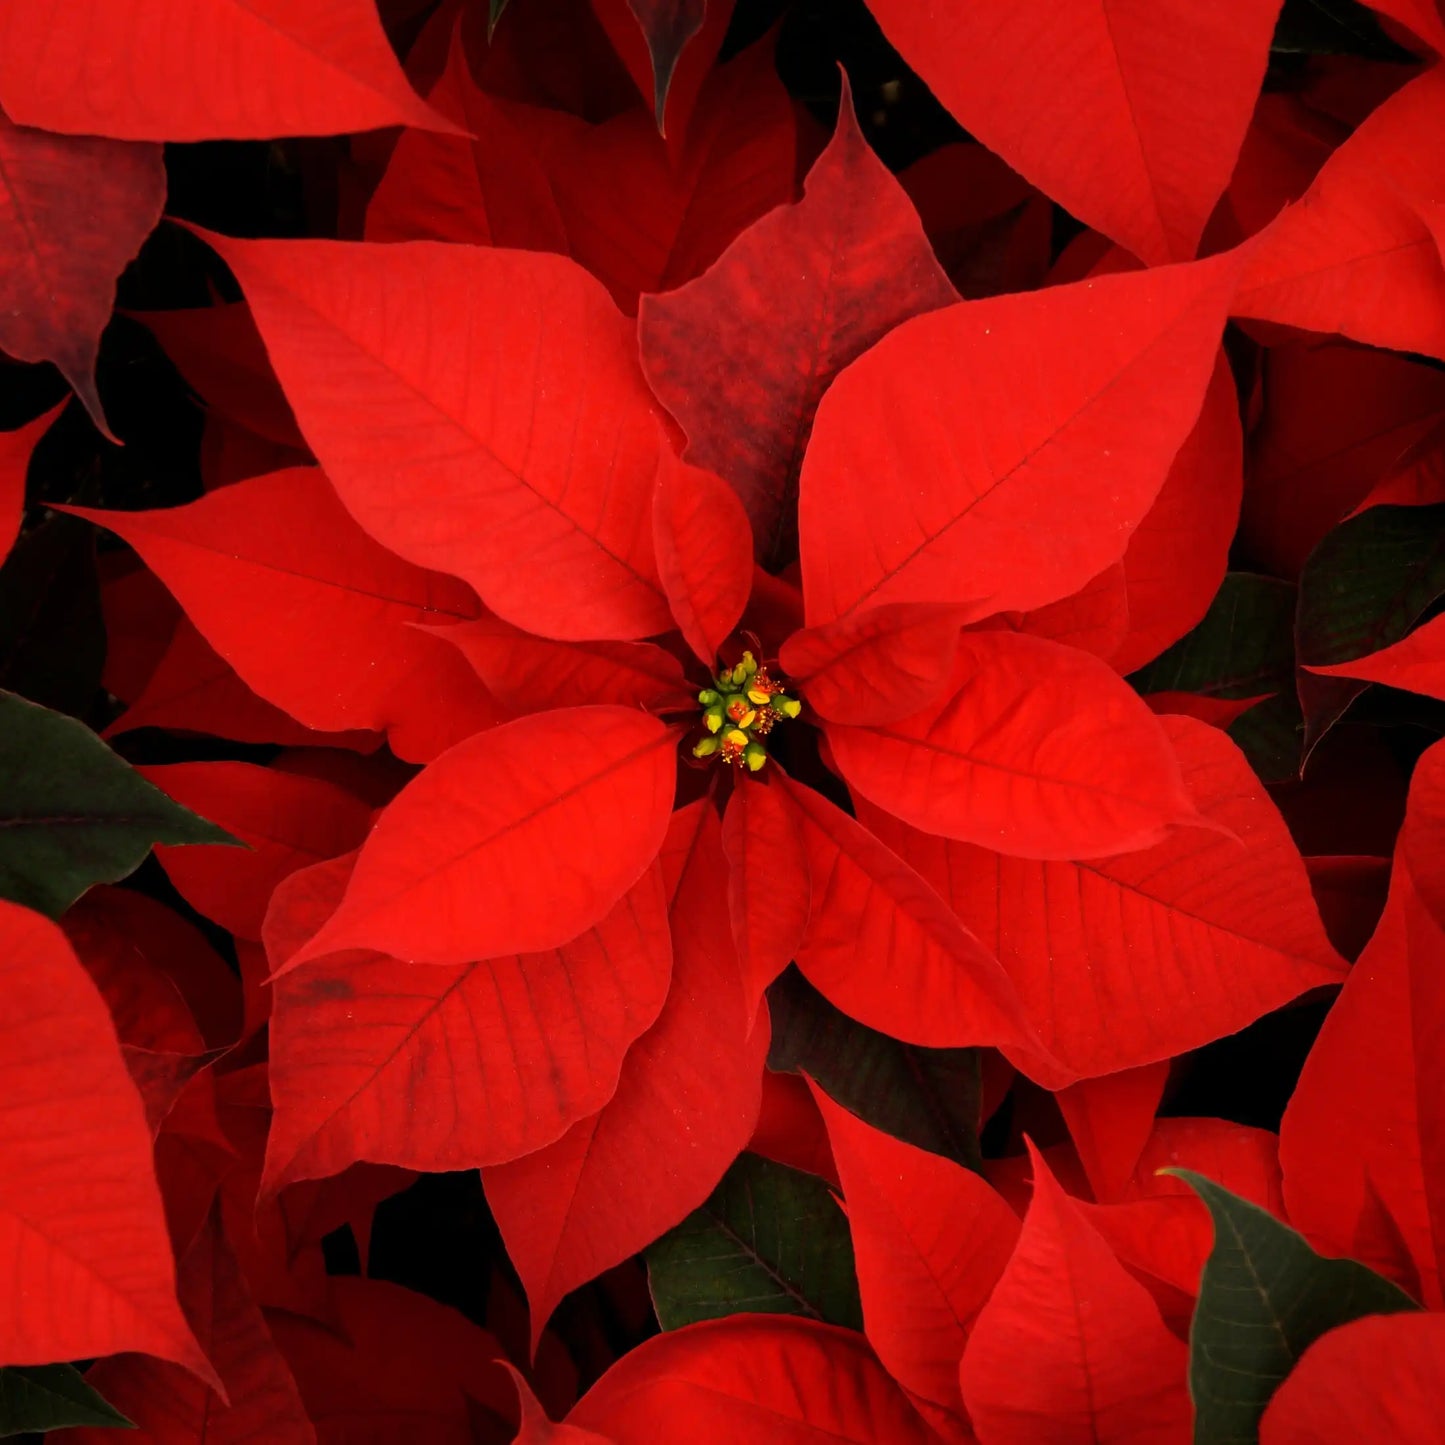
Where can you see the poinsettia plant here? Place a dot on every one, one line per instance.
(722, 721)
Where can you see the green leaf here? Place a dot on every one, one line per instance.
(1264, 1297)
(926, 1097)
(770, 1240)
(52, 1397)
(494, 14)
(72, 813)
(1363, 588)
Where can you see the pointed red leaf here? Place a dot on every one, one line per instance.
(202, 69)
(884, 947)
(463, 863)
(1095, 619)
(742, 355)
(877, 666)
(171, 1407)
(685, 1105)
(1377, 1378)
(83, 1241)
(1030, 434)
(1071, 1348)
(752, 1377)
(1355, 255)
(73, 212)
(931, 1240)
(398, 1366)
(1415, 664)
(433, 1068)
(769, 891)
(16, 448)
(287, 822)
(1034, 748)
(1110, 1119)
(536, 674)
(532, 482)
(1138, 957)
(704, 549)
(1131, 117)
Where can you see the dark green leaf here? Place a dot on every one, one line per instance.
(72, 813)
(51, 1397)
(1264, 1297)
(493, 15)
(1270, 735)
(770, 1240)
(1363, 588)
(927, 1097)
(52, 633)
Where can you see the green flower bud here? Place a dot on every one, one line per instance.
(706, 748)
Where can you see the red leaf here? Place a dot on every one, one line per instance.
(287, 823)
(173, 1408)
(83, 1241)
(1177, 557)
(535, 674)
(1130, 117)
(1034, 748)
(790, 1129)
(882, 946)
(1135, 958)
(685, 1105)
(1355, 256)
(399, 1366)
(1075, 401)
(704, 555)
(1110, 1120)
(435, 1068)
(463, 863)
(1095, 619)
(16, 448)
(1421, 16)
(186, 70)
(1415, 664)
(752, 1377)
(742, 355)
(769, 891)
(537, 1428)
(1377, 1378)
(532, 482)
(931, 1240)
(1071, 1347)
(315, 616)
(73, 212)
(877, 666)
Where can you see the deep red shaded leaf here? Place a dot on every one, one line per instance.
(462, 864)
(1416, 663)
(1130, 116)
(1355, 256)
(884, 947)
(1422, 16)
(1377, 1378)
(531, 482)
(287, 823)
(786, 1381)
(537, 1428)
(704, 555)
(194, 689)
(790, 1129)
(398, 1366)
(1110, 1119)
(1034, 749)
(1177, 556)
(435, 1068)
(1074, 401)
(1071, 1347)
(16, 448)
(202, 69)
(1136, 958)
(536, 674)
(315, 617)
(73, 212)
(769, 889)
(742, 355)
(877, 666)
(685, 1105)
(931, 1240)
(313, 1208)
(171, 1407)
(82, 1235)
